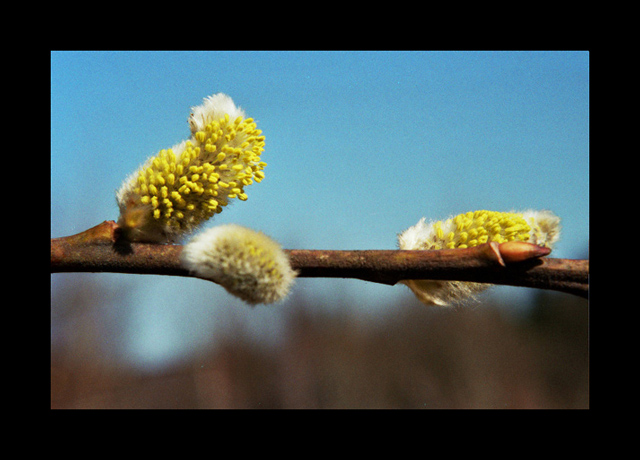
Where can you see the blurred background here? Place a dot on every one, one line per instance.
(359, 146)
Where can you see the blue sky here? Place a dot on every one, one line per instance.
(359, 146)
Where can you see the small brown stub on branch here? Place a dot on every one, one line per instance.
(518, 251)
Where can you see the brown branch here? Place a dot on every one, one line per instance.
(100, 249)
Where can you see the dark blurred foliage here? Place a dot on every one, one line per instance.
(415, 357)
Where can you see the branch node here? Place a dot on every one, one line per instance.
(493, 251)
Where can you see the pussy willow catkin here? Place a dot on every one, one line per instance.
(468, 230)
(248, 264)
(178, 189)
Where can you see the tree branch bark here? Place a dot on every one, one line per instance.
(100, 249)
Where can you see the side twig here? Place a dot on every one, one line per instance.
(100, 249)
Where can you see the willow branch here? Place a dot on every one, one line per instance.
(100, 249)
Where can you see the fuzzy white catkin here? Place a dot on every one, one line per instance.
(248, 264)
(211, 109)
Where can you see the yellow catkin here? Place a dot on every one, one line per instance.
(474, 228)
(468, 230)
(219, 160)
